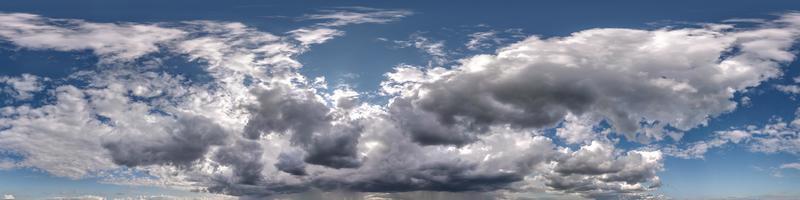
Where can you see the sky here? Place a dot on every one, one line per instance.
(399, 100)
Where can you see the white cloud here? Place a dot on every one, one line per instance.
(435, 49)
(112, 41)
(789, 89)
(577, 130)
(791, 166)
(315, 36)
(85, 197)
(357, 15)
(22, 87)
(61, 138)
(478, 40)
(775, 137)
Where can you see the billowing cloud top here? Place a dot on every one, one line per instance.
(259, 127)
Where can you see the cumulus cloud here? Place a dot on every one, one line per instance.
(186, 141)
(22, 87)
(639, 81)
(61, 138)
(260, 128)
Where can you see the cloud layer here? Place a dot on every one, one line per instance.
(260, 128)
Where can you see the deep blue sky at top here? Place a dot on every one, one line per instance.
(360, 52)
(444, 19)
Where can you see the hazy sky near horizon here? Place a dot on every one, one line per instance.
(391, 99)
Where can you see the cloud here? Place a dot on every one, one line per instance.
(790, 89)
(639, 81)
(478, 40)
(315, 36)
(22, 87)
(776, 137)
(790, 166)
(435, 49)
(48, 137)
(183, 143)
(596, 168)
(357, 15)
(489, 39)
(292, 163)
(141, 197)
(112, 41)
(85, 197)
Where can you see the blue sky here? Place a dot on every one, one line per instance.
(252, 99)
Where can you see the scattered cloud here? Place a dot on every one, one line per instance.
(22, 87)
(315, 36)
(478, 40)
(357, 15)
(435, 49)
(790, 89)
(776, 137)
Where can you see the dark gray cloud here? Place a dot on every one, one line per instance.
(291, 163)
(425, 128)
(336, 149)
(188, 140)
(279, 110)
(245, 158)
(444, 176)
(310, 123)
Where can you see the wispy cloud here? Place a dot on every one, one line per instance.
(308, 36)
(435, 49)
(357, 15)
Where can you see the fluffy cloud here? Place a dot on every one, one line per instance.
(261, 128)
(22, 87)
(790, 89)
(61, 138)
(642, 82)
